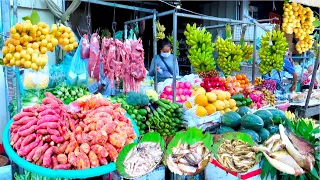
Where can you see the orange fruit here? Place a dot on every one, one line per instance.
(201, 111)
(238, 77)
(201, 100)
(210, 109)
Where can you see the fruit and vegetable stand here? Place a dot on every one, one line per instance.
(202, 120)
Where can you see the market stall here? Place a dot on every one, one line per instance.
(213, 123)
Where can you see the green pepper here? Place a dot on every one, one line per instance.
(143, 112)
(135, 111)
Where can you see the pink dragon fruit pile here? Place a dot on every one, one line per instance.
(256, 96)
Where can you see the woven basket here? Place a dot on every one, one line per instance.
(3, 160)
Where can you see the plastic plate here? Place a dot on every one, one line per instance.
(52, 173)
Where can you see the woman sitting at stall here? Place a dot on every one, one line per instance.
(306, 78)
(164, 62)
(288, 66)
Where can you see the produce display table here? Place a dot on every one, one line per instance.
(312, 110)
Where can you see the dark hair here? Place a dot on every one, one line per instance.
(164, 42)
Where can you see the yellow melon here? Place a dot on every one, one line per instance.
(234, 109)
(232, 103)
(211, 96)
(227, 110)
(219, 105)
(228, 95)
(210, 109)
(201, 111)
(201, 100)
(226, 103)
(221, 95)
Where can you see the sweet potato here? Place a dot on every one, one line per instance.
(14, 138)
(83, 161)
(30, 109)
(85, 148)
(28, 139)
(28, 125)
(50, 95)
(39, 162)
(24, 120)
(57, 139)
(72, 159)
(62, 159)
(27, 131)
(62, 166)
(17, 145)
(51, 125)
(14, 126)
(47, 157)
(48, 118)
(20, 115)
(54, 161)
(102, 160)
(40, 151)
(30, 155)
(47, 112)
(49, 101)
(53, 132)
(99, 150)
(23, 151)
(94, 162)
(42, 132)
(71, 146)
(46, 138)
(76, 151)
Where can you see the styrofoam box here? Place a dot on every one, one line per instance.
(250, 31)
(214, 171)
(156, 174)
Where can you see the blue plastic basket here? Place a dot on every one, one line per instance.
(52, 173)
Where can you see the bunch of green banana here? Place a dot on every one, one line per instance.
(229, 55)
(273, 48)
(170, 38)
(160, 31)
(201, 48)
(247, 51)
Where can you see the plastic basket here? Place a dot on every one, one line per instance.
(53, 173)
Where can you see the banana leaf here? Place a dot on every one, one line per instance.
(148, 137)
(235, 135)
(191, 136)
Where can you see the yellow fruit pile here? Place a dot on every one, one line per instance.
(28, 44)
(298, 20)
(211, 102)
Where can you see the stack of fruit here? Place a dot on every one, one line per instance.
(201, 49)
(232, 85)
(210, 102)
(210, 84)
(259, 125)
(256, 96)
(273, 48)
(241, 100)
(29, 43)
(230, 55)
(243, 80)
(298, 20)
(183, 92)
(268, 96)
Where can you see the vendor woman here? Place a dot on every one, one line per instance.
(164, 62)
(288, 66)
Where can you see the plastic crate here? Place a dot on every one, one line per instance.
(250, 31)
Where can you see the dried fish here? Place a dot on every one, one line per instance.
(142, 159)
(236, 155)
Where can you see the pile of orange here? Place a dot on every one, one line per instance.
(243, 80)
(232, 85)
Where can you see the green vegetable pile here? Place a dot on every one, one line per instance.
(32, 176)
(241, 100)
(67, 94)
(160, 116)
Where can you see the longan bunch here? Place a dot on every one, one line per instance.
(65, 36)
(268, 96)
(28, 44)
(298, 20)
(304, 44)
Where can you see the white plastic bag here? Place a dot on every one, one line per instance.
(36, 79)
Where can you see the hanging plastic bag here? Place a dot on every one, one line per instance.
(36, 79)
(94, 57)
(119, 35)
(85, 49)
(78, 73)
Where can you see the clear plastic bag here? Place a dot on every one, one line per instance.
(36, 79)
(78, 73)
